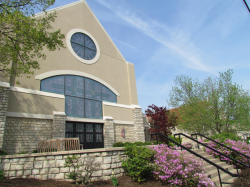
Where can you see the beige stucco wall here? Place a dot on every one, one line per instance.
(118, 113)
(111, 66)
(132, 83)
(3, 78)
(35, 104)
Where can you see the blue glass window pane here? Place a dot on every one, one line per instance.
(98, 137)
(81, 137)
(79, 127)
(89, 54)
(93, 89)
(79, 50)
(89, 128)
(78, 38)
(74, 85)
(74, 106)
(89, 43)
(93, 109)
(89, 137)
(98, 128)
(108, 95)
(53, 84)
(69, 127)
(69, 135)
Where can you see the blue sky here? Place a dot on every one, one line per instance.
(167, 38)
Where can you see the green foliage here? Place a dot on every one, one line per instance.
(248, 140)
(224, 136)
(121, 144)
(3, 152)
(2, 175)
(88, 166)
(22, 152)
(210, 106)
(72, 162)
(118, 144)
(114, 181)
(23, 37)
(139, 143)
(138, 164)
(34, 151)
(127, 144)
(176, 139)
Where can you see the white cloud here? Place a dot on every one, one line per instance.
(162, 34)
(128, 45)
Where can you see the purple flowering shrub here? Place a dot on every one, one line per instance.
(188, 145)
(179, 168)
(239, 146)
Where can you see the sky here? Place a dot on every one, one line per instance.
(169, 38)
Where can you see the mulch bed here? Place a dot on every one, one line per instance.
(124, 181)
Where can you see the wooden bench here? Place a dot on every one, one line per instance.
(63, 144)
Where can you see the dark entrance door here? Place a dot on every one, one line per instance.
(90, 134)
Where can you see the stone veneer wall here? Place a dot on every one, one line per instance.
(139, 135)
(4, 99)
(22, 134)
(109, 133)
(129, 133)
(51, 165)
(58, 126)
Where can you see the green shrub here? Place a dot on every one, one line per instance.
(175, 139)
(22, 152)
(34, 151)
(114, 181)
(148, 143)
(2, 175)
(82, 169)
(121, 144)
(138, 163)
(118, 144)
(248, 140)
(127, 144)
(3, 152)
(224, 136)
(139, 143)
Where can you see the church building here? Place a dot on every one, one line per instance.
(86, 90)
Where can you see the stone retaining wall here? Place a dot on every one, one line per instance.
(51, 165)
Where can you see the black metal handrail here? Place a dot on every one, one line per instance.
(221, 154)
(222, 146)
(205, 159)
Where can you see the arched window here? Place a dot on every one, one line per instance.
(83, 96)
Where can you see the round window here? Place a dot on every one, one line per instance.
(83, 46)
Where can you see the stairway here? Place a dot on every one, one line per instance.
(212, 171)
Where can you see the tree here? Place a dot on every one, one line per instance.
(23, 36)
(212, 106)
(161, 119)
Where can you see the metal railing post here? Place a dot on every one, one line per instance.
(219, 176)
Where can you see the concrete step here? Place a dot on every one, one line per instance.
(212, 170)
